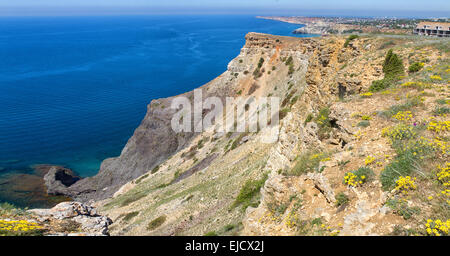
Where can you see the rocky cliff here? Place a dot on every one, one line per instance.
(231, 183)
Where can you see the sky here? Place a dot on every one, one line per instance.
(435, 8)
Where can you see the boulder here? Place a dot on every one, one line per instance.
(58, 179)
(91, 223)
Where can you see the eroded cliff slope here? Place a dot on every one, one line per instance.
(232, 183)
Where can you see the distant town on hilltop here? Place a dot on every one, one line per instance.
(340, 25)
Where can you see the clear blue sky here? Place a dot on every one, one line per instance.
(291, 7)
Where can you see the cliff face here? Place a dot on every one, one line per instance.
(311, 78)
(232, 183)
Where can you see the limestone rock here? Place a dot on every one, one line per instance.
(91, 222)
(58, 179)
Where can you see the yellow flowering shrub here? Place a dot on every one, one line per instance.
(355, 114)
(321, 156)
(325, 159)
(352, 180)
(438, 144)
(16, 227)
(444, 174)
(366, 94)
(436, 78)
(417, 85)
(405, 184)
(358, 177)
(439, 126)
(403, 115)
(366, 117)
(291, 220)
(369, 160)
(445, 192)
(437, 227)
(398, 132)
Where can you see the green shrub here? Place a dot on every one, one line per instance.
(379, 85)
(341, 199)
(349, 39)
(365, 171)
(284, 112)
(257, 72)
(141, 178)
(441, 101)
(210, 233)
(309, 118)
(324, 123)
(363, 124)
(154, 170)
(403, 165)
(438, 110)
(294, 100)
(401, 208)
(392, 68)
(154, 224)
(7, 208)
(415, 67)
(131, 198)
(130, 215)
(291, 69)
(306, 162)
(393, 65)
(358, 177)
(249, 192)
(289, 61)
(228, 227)
(260, 63)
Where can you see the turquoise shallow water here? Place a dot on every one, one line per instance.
(73, 89)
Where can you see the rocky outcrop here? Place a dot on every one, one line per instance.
(84, 219)
(154, 141)
(314, 29)
(58, 179)
(143, 151)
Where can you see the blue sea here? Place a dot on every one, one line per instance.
(73, 89)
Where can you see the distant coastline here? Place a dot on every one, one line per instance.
(313, 26)
(342, 25)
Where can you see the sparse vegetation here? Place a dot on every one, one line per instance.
(284, 112)
(249, 193)
(324, 123)
(258, 71)
(130, 199)
(130, 216)
(211, 233)
(156, 223)
(349, 39)
(400, 207)
(307, 162)
(415, 67)
(341, 199)
(156, 169)
(364, 124)
(141, 178)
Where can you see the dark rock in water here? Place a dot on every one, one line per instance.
(58, 178)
